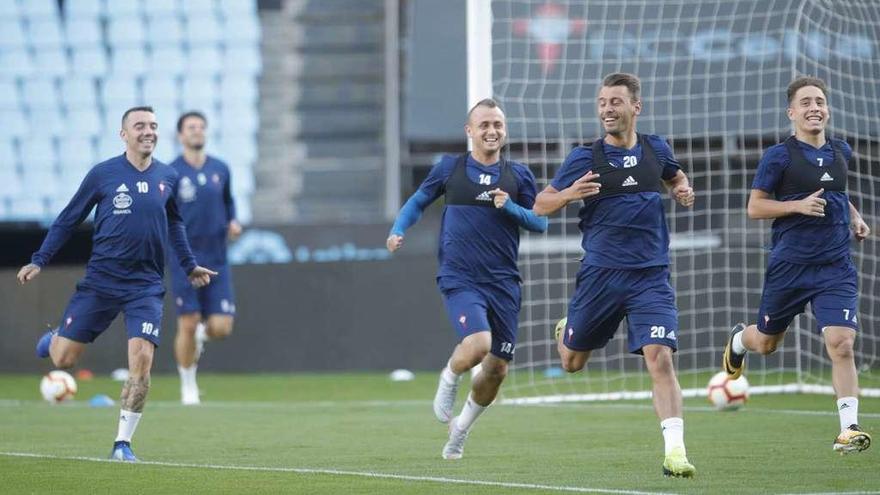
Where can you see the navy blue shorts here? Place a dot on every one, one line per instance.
(480, 307)
(832, 289)
(603, 297)
(212, 299)
(89, 313)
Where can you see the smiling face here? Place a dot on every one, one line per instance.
(617, 110)
(487, 128)
(140, 132)
(808, 111)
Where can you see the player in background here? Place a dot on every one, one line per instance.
(625, 272)
(487, 200)
(205, 201)
(135, 217)
(801, 184)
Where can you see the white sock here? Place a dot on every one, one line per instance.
(469, 413)
(738, 347)
(188, 377)
(201, 332)
(673, 433)
(848, 408)
(128, 422)
(448, 375)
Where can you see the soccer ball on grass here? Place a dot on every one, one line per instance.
(57, 386)
(726, 394)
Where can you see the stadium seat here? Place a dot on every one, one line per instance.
(242, 61)
(76, 154)
(78, 93)
(47, 121)
(12, 35)
(83, 9)
(15, 123)
(40, 93)
(238, 89)
(161, 8)
(51, 62)
(165, 149)
(242, 180)
(205, 60)
(15, 63)
(128, 61)
(128, 9)
(119, 92)
(8, 156)
(38, 157)
(199, 93)
(84, 122)
(161, 90)
(83, 33)
(164, 32)
(45, 33)
(168, 60)
(203, 31)
(242, 30)
(125, 31)
(39, 9)
(9, 99)
(10, 184)
(110, 145)
(239, 120)
(238, 150)
(198, 8)
(238, 8)
(28, 208)
(9, 11)
(90, 62)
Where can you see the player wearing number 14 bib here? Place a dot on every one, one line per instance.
(801, 184)
(625, 271)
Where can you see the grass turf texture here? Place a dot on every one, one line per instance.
(364, 423)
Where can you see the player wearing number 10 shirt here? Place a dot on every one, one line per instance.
(135, 214)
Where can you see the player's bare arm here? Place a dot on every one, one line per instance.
(681, 190)
(858, 225)
(763, 207)
(550, 200)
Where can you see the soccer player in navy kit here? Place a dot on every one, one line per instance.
(625, 271)
(801, 184)
(135, 214)
(487, 200)
(205, 201)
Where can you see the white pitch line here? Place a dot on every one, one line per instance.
(338, 472)
(802, 412)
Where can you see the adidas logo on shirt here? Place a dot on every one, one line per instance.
(826, 177)
(484, 196)
(629, 182)
(122, 188)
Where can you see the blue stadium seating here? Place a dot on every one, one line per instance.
(39, 9)
(90, 62)
(45, 33)
(83, 33)
(79, 93)
(83, 9)
(12, 34)
(40, 93)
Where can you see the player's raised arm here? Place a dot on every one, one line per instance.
(551, 200)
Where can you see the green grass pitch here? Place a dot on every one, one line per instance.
(361, 433)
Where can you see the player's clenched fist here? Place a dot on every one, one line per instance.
(394, 242)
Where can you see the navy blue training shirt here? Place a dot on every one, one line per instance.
(473, 246)
(625, 231)
(134, 216)
(205, 201)
(799, 238)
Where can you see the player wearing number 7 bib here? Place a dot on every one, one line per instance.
(135, 218)
(801, 184)
(625, 271)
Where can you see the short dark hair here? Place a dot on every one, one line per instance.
(485, 102)
(804, 81)
(143, 108)
(631, 82)
(191, 113)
